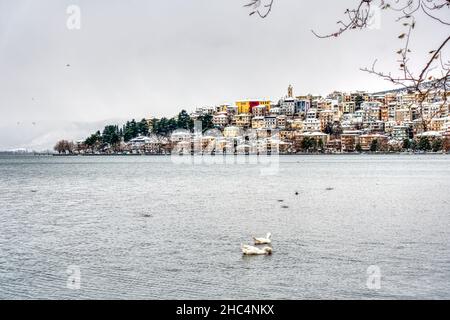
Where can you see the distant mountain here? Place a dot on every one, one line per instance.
(42, 136)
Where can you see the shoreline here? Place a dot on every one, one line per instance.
(37, 154)
(252, 154)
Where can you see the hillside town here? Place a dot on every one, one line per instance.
(390, 121)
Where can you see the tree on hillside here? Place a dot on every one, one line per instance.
(165, 126)
(94, 141)
(184, 121)
(207, 122)
(143, 128)
(111, 135)
(130, 130)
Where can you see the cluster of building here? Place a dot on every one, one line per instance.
(339, 122)
(344, 122)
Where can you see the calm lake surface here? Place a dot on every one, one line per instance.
(147, 228)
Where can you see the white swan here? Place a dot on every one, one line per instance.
(250, 250)
(265, 240)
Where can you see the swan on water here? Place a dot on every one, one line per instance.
(250, 250)
(265, 240)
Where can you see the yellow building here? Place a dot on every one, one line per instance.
(246, 106)
(223, 107)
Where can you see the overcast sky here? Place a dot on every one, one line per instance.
(143, 58)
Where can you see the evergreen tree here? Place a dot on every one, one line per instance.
(94, 140)
(111, 135)
(143, 128)
(328, 128)
(207, 123)
(424, 144)
(130, 130)
(374, 145)
(184, 121)
(437, 145)
(406, 144)
(307, 143)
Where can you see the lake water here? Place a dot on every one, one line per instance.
(147, 228)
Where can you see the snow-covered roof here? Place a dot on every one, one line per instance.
(314, 134)
(430, 134)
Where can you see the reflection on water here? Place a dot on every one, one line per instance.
(145, 228)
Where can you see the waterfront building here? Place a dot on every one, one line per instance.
(366, 141)
(316, 136)
(349, 140)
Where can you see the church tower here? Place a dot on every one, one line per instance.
(290, 94)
